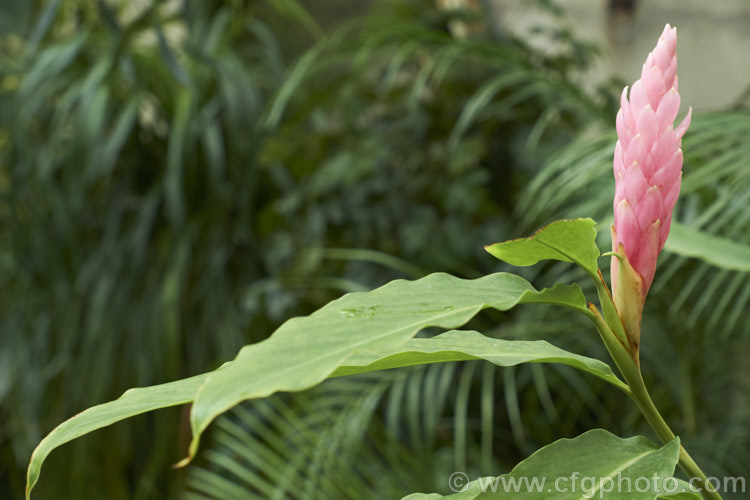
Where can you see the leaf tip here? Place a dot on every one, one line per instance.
(192, 450)
(184, 462)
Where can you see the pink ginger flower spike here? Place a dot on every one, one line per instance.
(648, 174)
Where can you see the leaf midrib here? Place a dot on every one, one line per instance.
(612, 474)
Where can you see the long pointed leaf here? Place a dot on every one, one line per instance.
(305, 351)
(715, 250)
(468, 345)
(132, 402)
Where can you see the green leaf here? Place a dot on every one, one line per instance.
(684, 491)
(296, 11)
(294, 78)
(682, 495)
(472, 491)
(572, 240)
(318, 344)
(687, 241)
(174, 177)
(588, 466)
(481, 99)
(468, 345)
(715, 250)
(132, 402)
(305, 351)
(449, 346)
(570, 296)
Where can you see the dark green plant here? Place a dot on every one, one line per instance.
(470, 410)
(173, 175)
(131, 184)
(435, 439)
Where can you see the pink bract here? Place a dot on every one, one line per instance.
(648, 160)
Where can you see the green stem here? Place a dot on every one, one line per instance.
(639, 394)
(637, 391)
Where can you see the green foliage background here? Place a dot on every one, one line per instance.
(178, 178)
